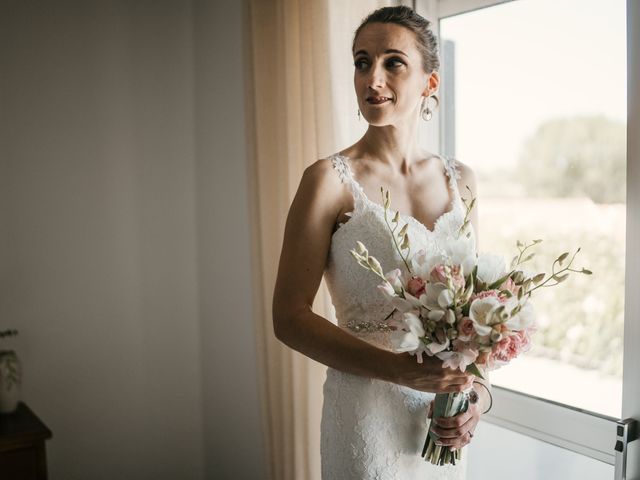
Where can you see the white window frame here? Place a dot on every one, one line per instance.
(580, 431)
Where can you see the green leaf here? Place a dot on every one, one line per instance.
(405, 242)
(586, 272)
(563, 257)
(538, 278)
(528, 257)
(473, 368)
(498, 282)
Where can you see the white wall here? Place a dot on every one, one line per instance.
(124, 235)
(233, 436)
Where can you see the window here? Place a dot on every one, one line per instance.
(539, 111)
(534, 98)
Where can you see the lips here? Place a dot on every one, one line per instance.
(377, 100)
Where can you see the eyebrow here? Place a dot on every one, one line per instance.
(390, 50)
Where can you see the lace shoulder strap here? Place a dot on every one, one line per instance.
(341, 165)
(452, 168)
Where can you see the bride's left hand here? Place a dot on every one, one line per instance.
(457, 431)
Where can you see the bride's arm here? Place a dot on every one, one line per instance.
(306, 243)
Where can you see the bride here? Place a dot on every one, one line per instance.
(376, 401)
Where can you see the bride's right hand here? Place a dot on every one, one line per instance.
(430, 376)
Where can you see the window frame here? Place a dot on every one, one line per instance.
(584, 432)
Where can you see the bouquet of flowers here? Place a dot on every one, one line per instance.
(467, 309)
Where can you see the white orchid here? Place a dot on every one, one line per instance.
(406, 304)
(394, 277)
(461, 251)
(422, 263)
(458, 360)
(491, 267)
(481, 313)
(523, 319)
(437, 347)
(394, 290)
(408, 339)
(432, 296)
(445, 298)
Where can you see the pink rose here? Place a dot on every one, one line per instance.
(509, 348)
(438, 274)
(500, 348)
(510, 285)
(524, 338)
(489, 293)
(485, 294)
(465, 328)
(416, 286)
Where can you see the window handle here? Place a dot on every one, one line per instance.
(626, 432)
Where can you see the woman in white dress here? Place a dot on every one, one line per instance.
(376, 401)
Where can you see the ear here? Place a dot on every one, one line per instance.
(433, 82)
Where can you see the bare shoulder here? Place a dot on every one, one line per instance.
(321, 182)
(467, 180)
(322, 174)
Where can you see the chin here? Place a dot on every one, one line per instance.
(378, 120)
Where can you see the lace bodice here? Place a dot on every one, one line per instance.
(360, 307)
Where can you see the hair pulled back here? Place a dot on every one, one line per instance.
(426, 41)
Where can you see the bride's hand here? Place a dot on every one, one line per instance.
(430, 376)
(457, 431)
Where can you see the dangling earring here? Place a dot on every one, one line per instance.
(358, 114)
(426, 112)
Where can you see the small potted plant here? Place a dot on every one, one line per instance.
(10, 376)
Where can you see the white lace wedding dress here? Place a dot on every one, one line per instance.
(372, 429)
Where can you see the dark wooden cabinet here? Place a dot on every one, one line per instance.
(22, 448)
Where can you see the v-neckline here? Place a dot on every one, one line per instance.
(411, 218)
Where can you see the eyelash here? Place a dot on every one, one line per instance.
(399, 62)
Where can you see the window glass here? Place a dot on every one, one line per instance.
(534, 100)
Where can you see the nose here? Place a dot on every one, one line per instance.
(376, 78)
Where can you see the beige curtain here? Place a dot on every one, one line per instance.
(301, 107)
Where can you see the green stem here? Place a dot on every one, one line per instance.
(554, 273)
(395, 242)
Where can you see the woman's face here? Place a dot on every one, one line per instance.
(389, 77)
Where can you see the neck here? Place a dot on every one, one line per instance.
(394, 145)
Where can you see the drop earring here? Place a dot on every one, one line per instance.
(359, 116)
(426, 112)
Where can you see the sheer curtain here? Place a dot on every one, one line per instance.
(301, 107)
